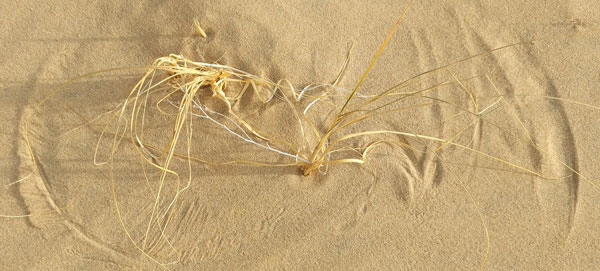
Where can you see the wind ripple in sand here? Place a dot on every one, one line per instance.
(548, 130)
(551, 148)
(40, 202)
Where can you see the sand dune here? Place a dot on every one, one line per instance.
(494, 166)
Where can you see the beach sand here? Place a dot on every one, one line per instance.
(401, 210)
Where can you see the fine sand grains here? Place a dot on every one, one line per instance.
(210, 165)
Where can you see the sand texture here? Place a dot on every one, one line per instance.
(512, 183)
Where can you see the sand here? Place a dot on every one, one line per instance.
(401, 210)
